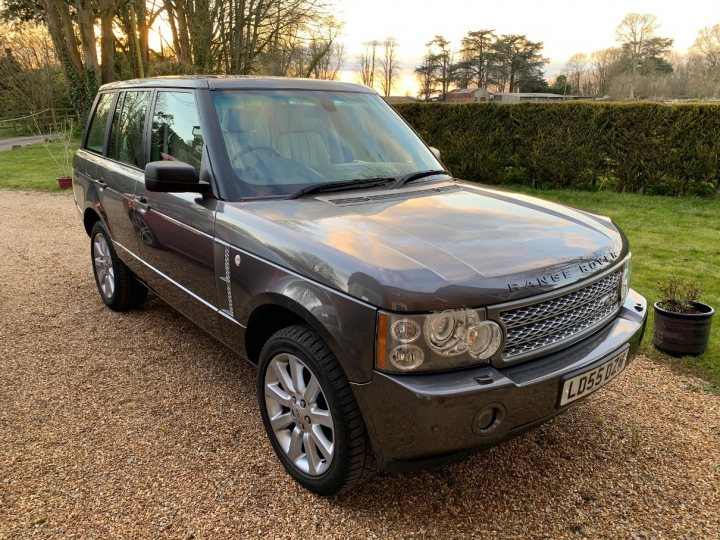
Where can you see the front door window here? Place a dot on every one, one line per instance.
(176, 133)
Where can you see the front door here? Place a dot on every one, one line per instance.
(176, 230)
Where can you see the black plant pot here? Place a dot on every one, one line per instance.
(681, 334)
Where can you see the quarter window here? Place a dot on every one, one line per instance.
(96, 133)
(127, 134)
(176, 131)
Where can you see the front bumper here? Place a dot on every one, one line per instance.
(416, 421)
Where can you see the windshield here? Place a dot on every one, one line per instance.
(279, 141)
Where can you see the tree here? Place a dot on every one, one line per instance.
(477, 54)
(28, 69)
(603, 65)
(439, 49)
(368, 60)
(641, 47)
(517, 61)
(389, 66)
(561, 86)
(427, 77)
(705, 54)
(575, 69)
(324, 51)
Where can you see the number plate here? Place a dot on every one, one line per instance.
(586, 383)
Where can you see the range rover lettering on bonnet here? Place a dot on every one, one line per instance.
(429, 319)
(568, 274)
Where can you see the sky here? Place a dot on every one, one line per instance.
(565, 27)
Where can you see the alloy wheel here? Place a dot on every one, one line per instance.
(299, 414)
(102, 261)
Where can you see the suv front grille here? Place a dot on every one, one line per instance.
(535, 327)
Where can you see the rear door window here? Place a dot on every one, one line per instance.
(126, 136)
(96, 132)
(176, 133)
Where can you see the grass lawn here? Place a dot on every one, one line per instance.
(668, 236)
(32, 167)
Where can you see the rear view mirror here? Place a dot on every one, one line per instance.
(173, 177)
(435, 152)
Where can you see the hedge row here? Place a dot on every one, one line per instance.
(640, 147)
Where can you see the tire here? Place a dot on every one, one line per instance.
(321, 410)
(117, 285)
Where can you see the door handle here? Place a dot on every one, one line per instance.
(142, 204)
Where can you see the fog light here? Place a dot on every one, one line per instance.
(407, 357)
(486, 418)
(489, 419)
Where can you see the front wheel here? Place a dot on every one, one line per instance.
(310, 413)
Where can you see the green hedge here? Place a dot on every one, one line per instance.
(639, 147)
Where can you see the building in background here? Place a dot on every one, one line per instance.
(507, 97)
(467, 95)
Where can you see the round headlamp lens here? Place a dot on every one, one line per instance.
(447, 332)
(484, 339)
(405, 330)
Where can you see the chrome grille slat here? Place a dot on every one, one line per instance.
(535, 327)
(544, 310)
(544, 327)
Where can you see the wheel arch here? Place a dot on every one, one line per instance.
(272, 312)
(90, 217)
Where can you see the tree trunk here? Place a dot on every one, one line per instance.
(107, 41)
(183, 33)
(172, 21)
(62, 33)
(239, 41)
(135, 41)
(86, 25)
(143, 33)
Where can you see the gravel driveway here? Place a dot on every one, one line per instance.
(140, 425)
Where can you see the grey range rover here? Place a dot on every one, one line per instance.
(398, 317)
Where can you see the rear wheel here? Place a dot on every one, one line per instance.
(310, 413)
(117, 285)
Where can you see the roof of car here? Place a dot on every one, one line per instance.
(247, 82)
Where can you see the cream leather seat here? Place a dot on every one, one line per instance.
(298, 136)
(244, 129)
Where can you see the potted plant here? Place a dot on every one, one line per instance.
(682, 323)
(63, 161)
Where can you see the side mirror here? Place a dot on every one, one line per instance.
(435, 152)
(173, 177)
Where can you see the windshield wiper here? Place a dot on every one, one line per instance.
(416, 176)
(338, 185)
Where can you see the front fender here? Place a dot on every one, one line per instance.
(346, 324)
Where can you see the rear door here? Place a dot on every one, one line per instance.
(176, 230)
(122, 170)
(88, 188)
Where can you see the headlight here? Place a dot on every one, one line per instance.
(450, 339)
(625, 285)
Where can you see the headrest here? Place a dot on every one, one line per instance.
(238, 120)
(296, 118)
